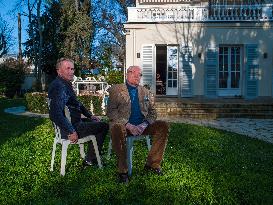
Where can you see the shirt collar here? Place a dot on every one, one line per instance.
(130, 87)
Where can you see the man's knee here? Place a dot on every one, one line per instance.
(105, 126)
(118, 129)
(162, 127)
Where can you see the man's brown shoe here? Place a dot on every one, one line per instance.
(123, 178)
(157, 171)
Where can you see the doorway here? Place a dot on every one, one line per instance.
(166, 70)
(229, 73)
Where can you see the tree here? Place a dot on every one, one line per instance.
(76, 26)
(53, 37)
(11, 78)
(108, 21)
(5, 37)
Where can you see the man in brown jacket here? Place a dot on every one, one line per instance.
(131, 111)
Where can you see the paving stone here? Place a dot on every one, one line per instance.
(255, 128)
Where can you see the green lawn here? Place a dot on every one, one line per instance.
(202, 166)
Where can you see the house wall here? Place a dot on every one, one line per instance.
(201, 36)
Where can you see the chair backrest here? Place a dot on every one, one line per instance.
(57, 130)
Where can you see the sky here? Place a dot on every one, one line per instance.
(11, 18)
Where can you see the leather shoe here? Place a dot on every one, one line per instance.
(157, 171)
(86, 163)
(123, 178)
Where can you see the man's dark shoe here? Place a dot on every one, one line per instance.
(157, 171)
(123, 178)
(86, 163)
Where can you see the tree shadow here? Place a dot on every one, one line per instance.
(13, 126)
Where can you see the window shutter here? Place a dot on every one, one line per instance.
(147, 65)
(211, 66)
(252, 71)
(186, 71)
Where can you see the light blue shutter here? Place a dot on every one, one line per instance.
(147, 65)
(186, 71)
(252, 70)
(211, 66)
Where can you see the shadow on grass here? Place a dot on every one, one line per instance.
(202, 166)
(231, 167)
(13, 126)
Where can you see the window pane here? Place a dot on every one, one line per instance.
(169, 83)
(174, 75)
(175, 83)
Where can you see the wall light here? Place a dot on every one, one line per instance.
(199, 55)
(265, 55)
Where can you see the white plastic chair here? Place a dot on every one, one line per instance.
(130, 149)
(66, 142)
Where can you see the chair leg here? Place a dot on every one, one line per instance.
(109, 149)
(53, 154)
(148, 141)
(130, 149)
(82, 150)
(97, 151)
(64, 154)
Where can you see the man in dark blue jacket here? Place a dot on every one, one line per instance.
(61, 94)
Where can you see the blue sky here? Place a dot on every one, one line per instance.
(11, 18)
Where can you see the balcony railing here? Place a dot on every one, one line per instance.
(201, 13)
(162, 1)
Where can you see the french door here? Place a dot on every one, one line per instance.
(230, 71)
(172, 70)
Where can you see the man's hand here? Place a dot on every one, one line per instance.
(133, 129)
(95, 118)
(73, 137)
(141, 127)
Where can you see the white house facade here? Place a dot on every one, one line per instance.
(203, 48)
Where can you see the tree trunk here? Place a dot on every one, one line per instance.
(31, 35)
(19, 40)
(39, 79)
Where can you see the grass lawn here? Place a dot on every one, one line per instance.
(202, 166)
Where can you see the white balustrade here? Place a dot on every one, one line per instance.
(91, 83)
(259, 12)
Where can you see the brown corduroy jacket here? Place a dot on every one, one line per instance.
(119, 104)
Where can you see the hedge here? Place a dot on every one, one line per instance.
(37, 103)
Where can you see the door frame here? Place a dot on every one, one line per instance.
(231, 92)
(178, 68)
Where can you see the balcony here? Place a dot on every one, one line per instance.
(214, 13)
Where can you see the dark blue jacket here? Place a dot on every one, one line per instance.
(61, 94)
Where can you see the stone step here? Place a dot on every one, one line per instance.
(215, 110)
(218, 115)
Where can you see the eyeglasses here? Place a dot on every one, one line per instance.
(136, 75)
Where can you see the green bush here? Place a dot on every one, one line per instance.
(11, 78)
(114, 77)
(96, 102)
(36, 102)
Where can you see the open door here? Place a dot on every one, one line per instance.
(172, 70)
(166, 70)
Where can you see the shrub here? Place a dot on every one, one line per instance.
(36, 102)
(96, 103)
(11, 78)
(114, 77)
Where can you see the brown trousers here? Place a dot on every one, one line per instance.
(159, 131)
